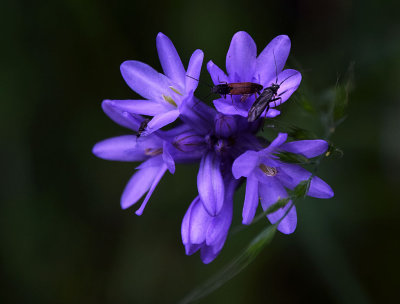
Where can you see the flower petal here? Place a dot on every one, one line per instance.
(307, 148)
(161, 120)
(138, 185)
(290, 81)
(250, 200)
(144, 80)
(275, 144)
(270, 192)
(199, 222)
(218, 229)
(194, 69)
(185, 227)
(241, 58)
(170, 60)
(118, 116)
(245, 164)
(160, 172)
(228, 108)
(272, 59)
(217, 75)
(167, 157)
(125, 148)
(291, 175)
(207, 254)
(210, 183)
(197, 114)
(142, 107)
(225, 125)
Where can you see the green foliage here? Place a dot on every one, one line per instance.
(292, 158)
(234, 267)
(279, 204)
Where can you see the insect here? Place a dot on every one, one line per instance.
(263, 101)
(269, 95)
(142, 127)
(236, 88)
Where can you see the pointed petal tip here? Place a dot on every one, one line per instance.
(160, 35)
(139, 212)
(241, 33)
(246, 221)
(286, 229)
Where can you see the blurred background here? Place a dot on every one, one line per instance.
(63, 236)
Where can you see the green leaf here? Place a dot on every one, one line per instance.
(279, 204)
(293, 158)
(301, 189)
(234, 267)
(342, 92)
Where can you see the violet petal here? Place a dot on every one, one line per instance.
(250, 200)
(170, 60)
(307, 148)
(241, 58)
(210, 183)
(161, 120)
(199, 222)
(290, 81)
(194, 69)
(160, 172)
(266, 69)
(142, 107)
(138, 185)
(217, 75)
(167, 157)
(207, 254)
(117, 115)
(144, 80)
(270, 193)
(245, 164)
(275, 144)
(218, 229)
(124, 148)
(291, 175)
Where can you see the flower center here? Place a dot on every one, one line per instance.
(268, 171)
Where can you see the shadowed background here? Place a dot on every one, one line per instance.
(63, 236)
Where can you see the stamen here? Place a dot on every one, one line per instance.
(153, 152)
(169, 100)
(268, 171)
(175, 90)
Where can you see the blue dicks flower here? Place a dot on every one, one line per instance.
(267, 178)
(243, 65)
(163, 93)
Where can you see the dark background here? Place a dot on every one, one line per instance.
(63, 236)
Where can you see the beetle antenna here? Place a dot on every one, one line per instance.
(199, 81)
(276, 68)
(286, 79)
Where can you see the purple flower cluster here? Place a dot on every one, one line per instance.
(221, 139)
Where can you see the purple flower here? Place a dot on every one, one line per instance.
(163, 93)
(201, 231)
(243, 65)
(155, 151)
(221, 140)
(267, 178)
